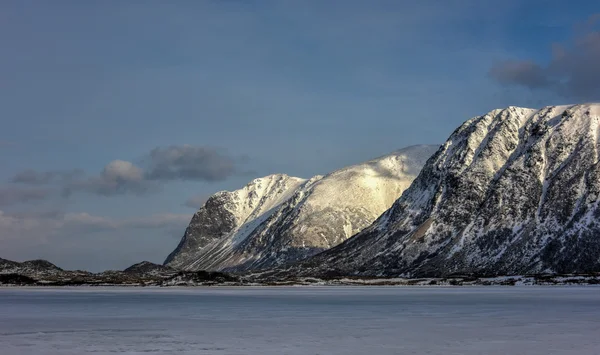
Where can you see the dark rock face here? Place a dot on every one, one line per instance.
(30, 267)
(16, 279)
(515, 191)
(145, 273)
(213, 221)
(279, 219)
(6, 264)
(41, 265)
(227, 218)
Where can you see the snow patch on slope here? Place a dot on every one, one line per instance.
(307, 217)
(512, 191)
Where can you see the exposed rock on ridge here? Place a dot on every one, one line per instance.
(29, 267)
(515, 191)
(300, 217)
(227, 217)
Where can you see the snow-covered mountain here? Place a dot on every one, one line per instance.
(279, 219)
(514, 191)
(30, 267)
(227, 218)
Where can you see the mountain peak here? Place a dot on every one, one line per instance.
(278, 219)
(513, 191)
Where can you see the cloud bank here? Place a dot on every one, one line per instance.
(13, 196)
(86, 241)
(572, 72)
(118, 177)
(190, 163)
(42, 226)
(121, 177)
(32, 177)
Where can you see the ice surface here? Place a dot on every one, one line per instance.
(301, 320)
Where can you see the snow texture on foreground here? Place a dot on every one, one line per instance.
(301, 320)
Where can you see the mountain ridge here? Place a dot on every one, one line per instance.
(28, 267)
(514, 191)
(313, 216)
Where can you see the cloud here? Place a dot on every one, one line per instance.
(32, 177)
(196, 202)
(161, 165)
(85, 241)
(120, 177)
(573, 71)
(526, 73)
(39, 227)
(120, 170)
(187, 162)
(15, 195)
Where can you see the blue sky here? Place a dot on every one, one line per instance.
(117, 113)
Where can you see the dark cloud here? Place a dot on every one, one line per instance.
(196, 202)
(573, 72)
(32, 177)
(526, 73)
(15, 195)
(187, 162)
(118, 177)
(39, 226)
(121, 177)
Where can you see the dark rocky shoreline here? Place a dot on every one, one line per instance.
(44, 273)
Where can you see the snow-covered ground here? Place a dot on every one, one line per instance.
(301, 320)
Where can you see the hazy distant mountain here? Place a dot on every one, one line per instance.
(279, 219)
(514, 191)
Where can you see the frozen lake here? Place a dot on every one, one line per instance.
(301, 320)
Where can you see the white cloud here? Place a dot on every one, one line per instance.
(122, 170)
(117, 178)
(120, 177)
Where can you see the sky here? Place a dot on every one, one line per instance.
(119, 117)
